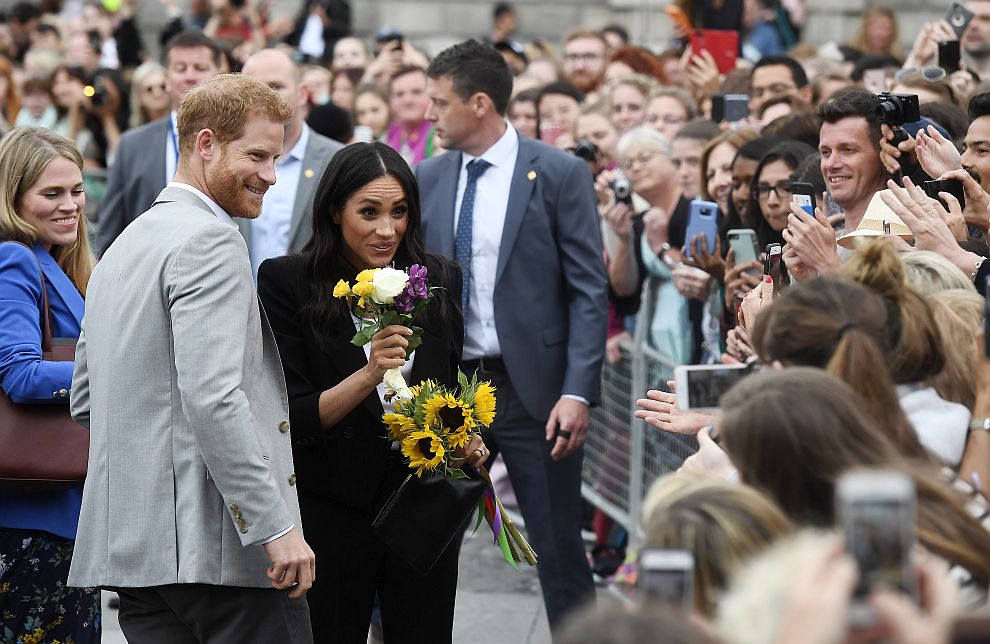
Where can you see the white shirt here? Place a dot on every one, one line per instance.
(490, 203)
(270, 231)
(171, 148)
(222, 215)
(311, 40)
(217, 210)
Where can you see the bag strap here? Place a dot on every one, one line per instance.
(46, 315)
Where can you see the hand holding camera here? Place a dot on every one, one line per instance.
(894, 111)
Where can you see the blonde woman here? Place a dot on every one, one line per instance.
(627, 100)
(149, 97)
(41, 206)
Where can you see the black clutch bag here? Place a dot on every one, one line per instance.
(420, 519)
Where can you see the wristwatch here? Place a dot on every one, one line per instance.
(979, 425)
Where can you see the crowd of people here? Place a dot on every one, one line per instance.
(237, 456)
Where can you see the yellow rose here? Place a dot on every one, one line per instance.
(363, 289)
(343, 289)
(367, 275)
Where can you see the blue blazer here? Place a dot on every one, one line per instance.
(551, 288)
(27, 379)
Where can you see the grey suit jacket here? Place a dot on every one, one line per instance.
(551, 289)
(134, 180)
(178, 378)
(319, 151)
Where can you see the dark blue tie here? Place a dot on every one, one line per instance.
(462, 239)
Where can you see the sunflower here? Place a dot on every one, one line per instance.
(460, 438)
(484, 404)
(447, 412)
(398, 425)
(424, 449)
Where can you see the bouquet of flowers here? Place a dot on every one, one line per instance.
(387, 296)
(432, 424)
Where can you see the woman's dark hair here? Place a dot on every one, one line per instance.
(793, 432)
(349, 170)
(810, 171)
(948, 115)
(791, 153)
(751, 151)
(842, 327)
(560, 87)
(803, 126)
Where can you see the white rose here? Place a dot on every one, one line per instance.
(388, 283)
(395, 382)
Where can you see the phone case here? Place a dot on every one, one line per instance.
(722, 45)
(700, 223)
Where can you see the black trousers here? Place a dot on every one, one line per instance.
(202, 614)
(352, 565)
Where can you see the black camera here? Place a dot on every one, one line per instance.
(97, 92)
(898, 109)
(585, 149)
(953, 186)
(622, 189)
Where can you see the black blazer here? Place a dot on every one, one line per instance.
(346, 462)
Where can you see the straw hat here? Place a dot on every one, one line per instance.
(878, 214)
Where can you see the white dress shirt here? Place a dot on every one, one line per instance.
(270, 231)
(490, 203)
(225, 218)
(171, 148)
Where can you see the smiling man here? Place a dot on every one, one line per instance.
(850, 151)
(189, 511)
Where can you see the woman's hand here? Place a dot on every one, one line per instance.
(710, 459)
(613, 347)
(740, 279)
(619, 217)
(701, 71)
(936, 154)
(692, 283)
(755, 301)
(710, 262)
(659, 409)
(738, 345)
(977, 201)
(906, 622)
(388, 351)
(655, 223)
(474, 453)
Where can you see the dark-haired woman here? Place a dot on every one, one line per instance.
(366, 215)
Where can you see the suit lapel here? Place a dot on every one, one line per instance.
(524, 179)
(314, 159)
(62, 286)
(447, 199)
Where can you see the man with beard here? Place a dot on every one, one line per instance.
(189, 511)
(585, 59)
(976, 38)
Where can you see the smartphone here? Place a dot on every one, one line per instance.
(953, 186)
(729, 107)
(948, 56)
(667, 575)
(958, 17)
(875, 80)
(876, 509)
(722, 45)
(773, 265)
(804, 197)
(703, 221)
(550, 131)
(700, 387)
(745, 248)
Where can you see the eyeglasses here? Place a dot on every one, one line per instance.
(782, 189)
(150, 89)
(773, 90)
(584, 58)
(642, 157)
(930, 74)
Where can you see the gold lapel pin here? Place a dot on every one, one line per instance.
(531, 175)
(309, 173)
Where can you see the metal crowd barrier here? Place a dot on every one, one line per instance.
(624, 455)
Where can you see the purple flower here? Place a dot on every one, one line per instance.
(417, 282)
(405, 302)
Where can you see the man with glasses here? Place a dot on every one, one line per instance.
(776, 76)
(584, 59)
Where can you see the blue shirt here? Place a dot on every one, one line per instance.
(27, 379)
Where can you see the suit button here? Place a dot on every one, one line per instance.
(233, 506)
(63, 392)
(54, 394)
(283, 426)
(243, 529)
(237, 514)
(292, 480)
(348, 433)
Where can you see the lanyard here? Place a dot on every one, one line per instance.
(174, 138)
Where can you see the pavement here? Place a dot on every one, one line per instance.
(496, 604)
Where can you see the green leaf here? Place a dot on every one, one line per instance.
(364, 336)
(414, 343)
(462, 379)
(388, 318)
